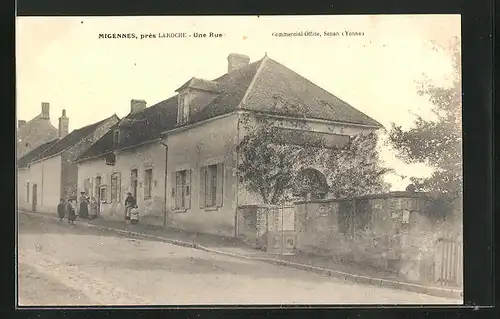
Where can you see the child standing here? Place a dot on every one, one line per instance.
(134, 215)
(70, 210)
(61, 209)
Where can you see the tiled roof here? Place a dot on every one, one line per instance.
(156, 119)
(200, 84)
(71, 139)
(103, 146)
(279, 90)
(265, 83)
(34, 133)
(26, 159)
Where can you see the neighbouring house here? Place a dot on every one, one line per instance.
(48, 173)
(179, 157)
(35, 132)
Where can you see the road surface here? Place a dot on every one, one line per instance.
(66, 265)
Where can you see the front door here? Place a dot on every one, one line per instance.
(133, 183)
(33, 199)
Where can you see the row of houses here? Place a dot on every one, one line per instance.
(179, 157)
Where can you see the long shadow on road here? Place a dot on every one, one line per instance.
(224, 265)
(183, 262)
(31, 224)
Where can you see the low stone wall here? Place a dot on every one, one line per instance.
(252, 225)
(390, 232)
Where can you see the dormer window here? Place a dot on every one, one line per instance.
(183, 108)
(116, 137)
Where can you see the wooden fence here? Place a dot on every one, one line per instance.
(446, 268)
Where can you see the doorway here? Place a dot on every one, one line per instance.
(34, 198)
(133, 183)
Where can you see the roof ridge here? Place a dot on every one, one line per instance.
(252, 83)
(40, 157)
(326, 91)
(36, 148)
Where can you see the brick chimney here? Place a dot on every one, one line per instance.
(137, 106)
(20, 123)
(236, 61)
(45, 111)
(63, 125)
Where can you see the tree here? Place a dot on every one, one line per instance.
(271, 158)
(355, 169)
(436, 142)
(268, 162)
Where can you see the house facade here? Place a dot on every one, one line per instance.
(179, 157)
(35, 132)
(48, 173)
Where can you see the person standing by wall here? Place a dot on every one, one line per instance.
(129, 204)
(93, 208)
(70, 211)
(83, 210)
(61, 209)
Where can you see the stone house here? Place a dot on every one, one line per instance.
(48, 173)
(179, 157)
(35, 132)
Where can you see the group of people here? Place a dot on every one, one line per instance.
(87, 208)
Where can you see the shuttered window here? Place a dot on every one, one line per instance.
(148, 182)
(115, 187)
(211, 185)
(86, 186)
(181, 190)
(28, 192)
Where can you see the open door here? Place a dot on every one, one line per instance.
(34, 198)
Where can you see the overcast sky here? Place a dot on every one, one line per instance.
(62, 61)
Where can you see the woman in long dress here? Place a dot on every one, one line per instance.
(93, 208)
(83, 211)
(70, 211)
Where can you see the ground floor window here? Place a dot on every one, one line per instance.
(115, 187)
(28, 192)
(181, 191)
(148, 182)
(211, 185)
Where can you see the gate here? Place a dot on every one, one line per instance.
(446, 265)
(280, 222)
(448, 262)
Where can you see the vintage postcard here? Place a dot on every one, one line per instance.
(239, 160)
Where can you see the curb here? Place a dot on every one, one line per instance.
(433, 291)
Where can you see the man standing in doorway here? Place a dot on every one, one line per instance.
(129, 204)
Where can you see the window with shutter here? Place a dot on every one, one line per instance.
(28, 192)
(181, 190)
(108, 188)
(148, 181)
(118, 187)
(187, 190)
(220, 185)
(210, 185)
(202, 195)
(113, 188)
(133, 183)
